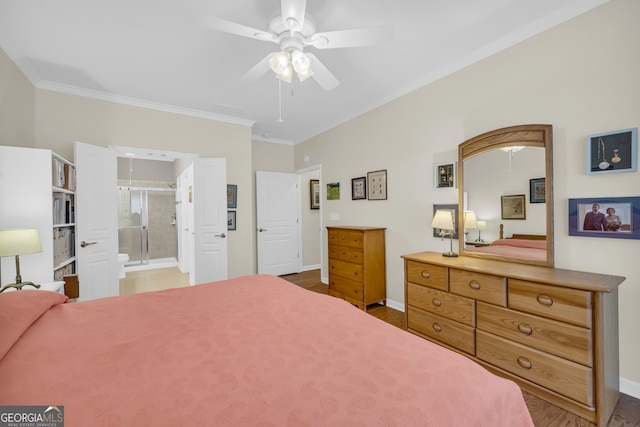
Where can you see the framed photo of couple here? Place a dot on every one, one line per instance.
(613, 217)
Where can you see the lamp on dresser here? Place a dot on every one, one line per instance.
(19, 242)
(444, 220)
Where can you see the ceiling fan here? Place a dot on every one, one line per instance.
(292, 29)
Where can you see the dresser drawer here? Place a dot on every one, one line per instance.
(568, 341)
(345, 269)
(479, 286)
(451, 306)
(346, 253)
(567, 378)
(442, 329)
(332, 237)
(350, 238)
(333, 251)
(568, 305)
(346, 287)
(434, 276)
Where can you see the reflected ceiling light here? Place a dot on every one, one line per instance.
(510, 151)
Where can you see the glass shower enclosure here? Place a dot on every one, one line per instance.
(146, 224)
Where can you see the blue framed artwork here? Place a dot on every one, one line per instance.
(613, 152)
(612, 217)
(232, 196)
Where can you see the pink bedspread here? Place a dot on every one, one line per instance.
(519, 248)
(252, 351)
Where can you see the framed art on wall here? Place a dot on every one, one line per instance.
(359, 188)
(613, 217)
(513, 207)
(537, 190)
(377, 185)
(314, 193)
(613, 152)
(231, 220)
(445, 175)
(333, 191)
(232, 196)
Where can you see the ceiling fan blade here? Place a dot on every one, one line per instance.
(351, 38)
(258, 70)
(293, 9)
(238, 29)
(321, 74)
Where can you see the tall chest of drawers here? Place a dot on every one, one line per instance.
(553, 331)
(357, 269)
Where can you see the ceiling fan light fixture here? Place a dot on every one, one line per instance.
(300, 62)
(304, 76)
(286, 74)
(279, 62)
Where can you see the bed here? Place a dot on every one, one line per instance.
(525, 246)
(250, 351)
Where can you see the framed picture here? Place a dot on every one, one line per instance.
(436, 231)
(314, 193)
(232, 196)
(359, 188)
(333, 191)
(513, 207)
(445, 175)
(613, 152)
(377, 185)
(537, 190)
(614, 217)
(231, 220)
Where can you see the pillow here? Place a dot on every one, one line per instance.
(522, 243)
(19, 310)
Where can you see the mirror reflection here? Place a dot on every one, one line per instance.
(505, 179)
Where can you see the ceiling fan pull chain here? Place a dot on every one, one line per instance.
(280, 101)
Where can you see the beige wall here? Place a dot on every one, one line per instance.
(581, 77)
(17, 105)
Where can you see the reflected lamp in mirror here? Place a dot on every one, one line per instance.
(444, 221)
(510, 151)
(19, 242)
(469, 222)
(482, 225)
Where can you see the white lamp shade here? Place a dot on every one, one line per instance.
(443, 219)
(482, 225)
(279, 62)
(19, 242)
(470, 219)
(300, 62)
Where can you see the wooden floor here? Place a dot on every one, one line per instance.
(543, 413)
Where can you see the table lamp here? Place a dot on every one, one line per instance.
(444, 220)
(482, 225)
(19, 242)
(469, 222)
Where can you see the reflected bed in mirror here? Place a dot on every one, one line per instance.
(502, 163)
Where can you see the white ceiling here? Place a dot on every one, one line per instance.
(163, 54)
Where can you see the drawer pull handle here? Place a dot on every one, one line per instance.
(524, 362)
(437, 327)
(545, 300)
(425, 274)
(474, 284)
(436, 302)
(525, 329)
(355, 273)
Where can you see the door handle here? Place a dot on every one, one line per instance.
(262, 229)
(223, 235)
(84, 244)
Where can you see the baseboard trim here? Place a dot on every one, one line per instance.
(395, 305)
(311, 267)
(630, 388)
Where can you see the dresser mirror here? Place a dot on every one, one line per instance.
(506, 179)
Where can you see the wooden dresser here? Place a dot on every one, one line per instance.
(553, 331)
(357, 270)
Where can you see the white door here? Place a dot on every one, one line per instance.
(209, 197)
(278, 213)
(97, 221)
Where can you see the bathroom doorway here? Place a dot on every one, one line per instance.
(147, 226)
